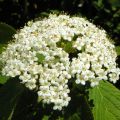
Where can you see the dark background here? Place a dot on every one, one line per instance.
(103, 13)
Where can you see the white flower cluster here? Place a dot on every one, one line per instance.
(41, 56)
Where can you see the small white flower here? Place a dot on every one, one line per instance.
(77, 81)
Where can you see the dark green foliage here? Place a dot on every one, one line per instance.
(6, 33)
(118, 50)
(19, 103)
(26, 106)
(40, 57)
(78, 108)
(9, 95)
(66, 45)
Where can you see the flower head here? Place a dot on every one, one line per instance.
(47, 53)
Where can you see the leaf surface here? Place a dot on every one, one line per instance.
(40, 57)
(3, 79)
(6, 32)
(106, 101)
(9, 95)
(118, 50)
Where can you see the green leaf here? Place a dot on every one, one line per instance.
(27, 106)
(3, 79)
(57, 59)
(78, 108)
(117, 50)
(114, 3)
(6, 33)
(60, 118)
(44, 14)
(2, 47)
(75, 116)
(40, 57)
(9, 95)
(41, 15)
(100, 3)
(66, 45)
(45, 117)
(57, 12)
(106, 101)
